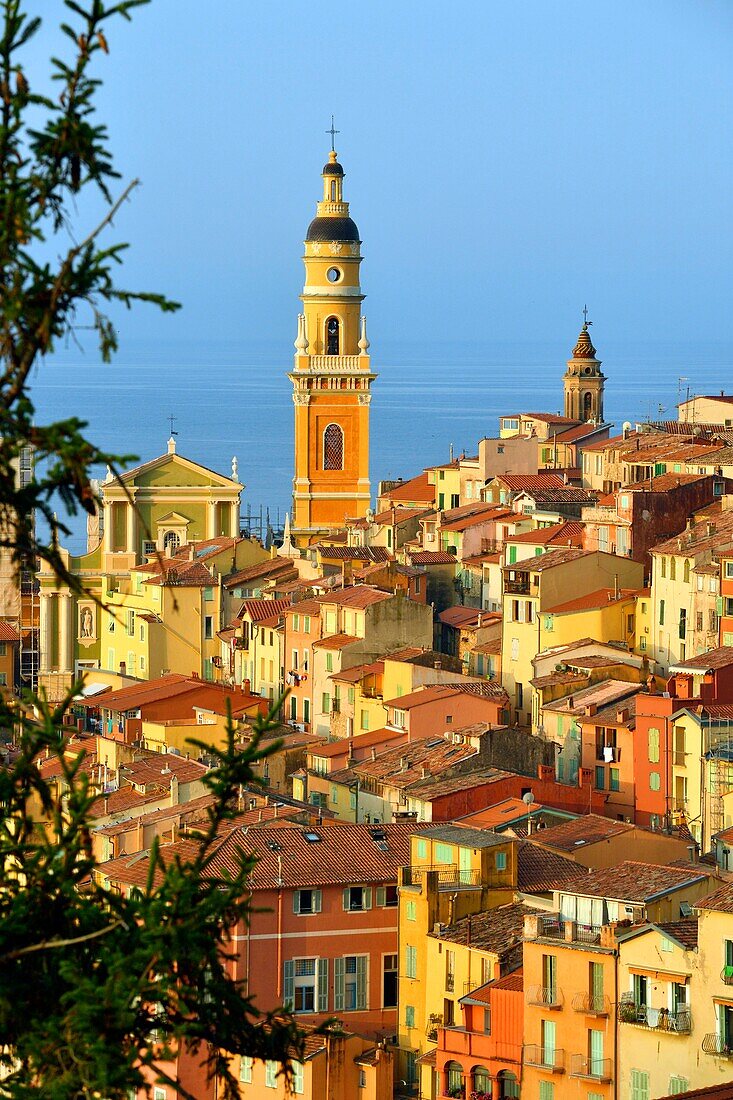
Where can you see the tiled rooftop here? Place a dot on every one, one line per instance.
(637, 882)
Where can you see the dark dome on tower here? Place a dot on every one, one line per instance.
(332, 229)
(333, 168)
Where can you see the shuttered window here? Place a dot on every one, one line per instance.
(639, 1085)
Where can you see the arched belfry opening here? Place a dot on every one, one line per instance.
(333, 447)
(332, 336)
(587, 405)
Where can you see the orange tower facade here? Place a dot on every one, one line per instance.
(332, 374)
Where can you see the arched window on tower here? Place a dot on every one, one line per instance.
(332, 336)
(333, 448)
(333, 190)
(171, 541)
(587, 405)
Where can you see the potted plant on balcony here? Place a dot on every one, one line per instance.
(479, 1095)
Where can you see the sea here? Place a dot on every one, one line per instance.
(231, 399)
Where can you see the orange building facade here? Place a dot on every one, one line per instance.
(332, 374)
(485, 1053)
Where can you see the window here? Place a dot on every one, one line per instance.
(614, 779)
(306, 711)
(357, 899)
(547, 1088)
(245, 1070)
(653, 745)
(307, 901)
(409, 1015)
(639, 1085)
(362, 1079)
(208, 627)
(159, 1094)
(270, 1074)
(487, 1021)
(661, 610)
(549, 977)
(350, 983)
(600, 777)
(548, 1042)
(389, 981)
(293, 708)
(325, 703)
(3, 679)
(410, 961)
(131, 623)
(333, 447)
(306, 624)
(673, 569)
(332, 336)
(298, 1075)
(678, 1084)
(334, 794)
(306, 984)
(387, 897)
(443, 853)
(171, 541)
(654, 781)
(500, 861)
(329, 661)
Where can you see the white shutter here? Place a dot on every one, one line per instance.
(367, 897)
(347, 899)
(381, 896)
(322, 985)
(296, 901)
(317, 900)
(289, 983)
(339, 969)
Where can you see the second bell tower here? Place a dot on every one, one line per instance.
(332, 374)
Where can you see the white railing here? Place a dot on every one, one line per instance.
(334, 364)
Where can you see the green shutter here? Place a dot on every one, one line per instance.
(547, 1090)
(322, 982)
(639, 1085)
(361, 983)
(289, 984)
(339, 972)
(512, 555)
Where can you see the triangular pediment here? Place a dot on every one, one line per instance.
(173, 470)
(173, 519)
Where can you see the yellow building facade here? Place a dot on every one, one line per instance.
(331, 375)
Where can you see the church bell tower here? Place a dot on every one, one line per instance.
(332, 374)
(584, 380)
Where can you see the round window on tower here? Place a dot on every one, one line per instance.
(333, 274)
(587, 370)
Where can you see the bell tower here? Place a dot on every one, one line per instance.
(584, 380)
(331, 374)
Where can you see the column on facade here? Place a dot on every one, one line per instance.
(44, 633)
(211, 519)
(65, 607)
(132, 547)
(234, 521)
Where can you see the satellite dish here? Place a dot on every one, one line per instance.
(528, 798)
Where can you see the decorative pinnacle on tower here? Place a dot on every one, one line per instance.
(583, 380)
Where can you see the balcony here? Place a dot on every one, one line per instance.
(543, 1058)
(335, 364)
(717, 1044)
(447, 877)
(517, 587)
(591, 1069)
(591, 1004)
(677, 1022)
(547, 996)
(555, 928)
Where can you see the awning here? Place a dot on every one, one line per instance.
(91, 691)
(660, 975)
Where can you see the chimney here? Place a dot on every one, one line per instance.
(437, 665)
(710, 529)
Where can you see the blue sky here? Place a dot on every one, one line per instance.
(505, 161)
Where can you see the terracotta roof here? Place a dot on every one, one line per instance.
(469, 515)
(259, 609)
(431, 693)
(549, 560)
(417, 488)
(433, 557)
(399, 514)
(603, 694)
(578, 432)
(336, 641)
(684, 931)
(427, 790)
(262, 570)
(522, 482)
(713, 659)
(176, 571)
(357, 672)
(570, 533)
(8, 633)
(723, 1091)
(550, 418)
(539, 870)
(402, 766)
(499, 930)
(158, 769)
(354, 553)
(581, 831)
(592, 601)
(639, 882)
(353, 744)
(584, 348)
(461, 616)
(359, 596)
(554, 678)
(148, 691)
(721, 900)
(569, 494)
(334, 854)
(304, 607)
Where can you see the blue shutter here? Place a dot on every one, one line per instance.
(289, 984)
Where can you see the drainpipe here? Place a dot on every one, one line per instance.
(615, 1024)
(279, 928)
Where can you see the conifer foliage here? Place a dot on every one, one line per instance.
(97, 990)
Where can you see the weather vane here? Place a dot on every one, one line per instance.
(586, 322)
(333, 131)
(172, 419)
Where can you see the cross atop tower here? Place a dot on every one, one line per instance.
(173, 419)
(333, 131)
(586, 322)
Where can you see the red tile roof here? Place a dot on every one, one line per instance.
(8, 633)
(639, 882)
(592, 601)
(721, 900)
(263, 570)
(581, 831)
(176, 571)
(713, 659)
(336, 641)
(359, 596)
(570, 533)
(539, 871)
(433, 557)
(417, 488)
(257, 610)
(521, 482)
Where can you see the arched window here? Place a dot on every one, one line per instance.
(481, 1080)
(333, 448)
(453, 1078)
(508, 1084)
(687, 571)
(171, 542)
(333, 190)
(332, 336)
(587, 405)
